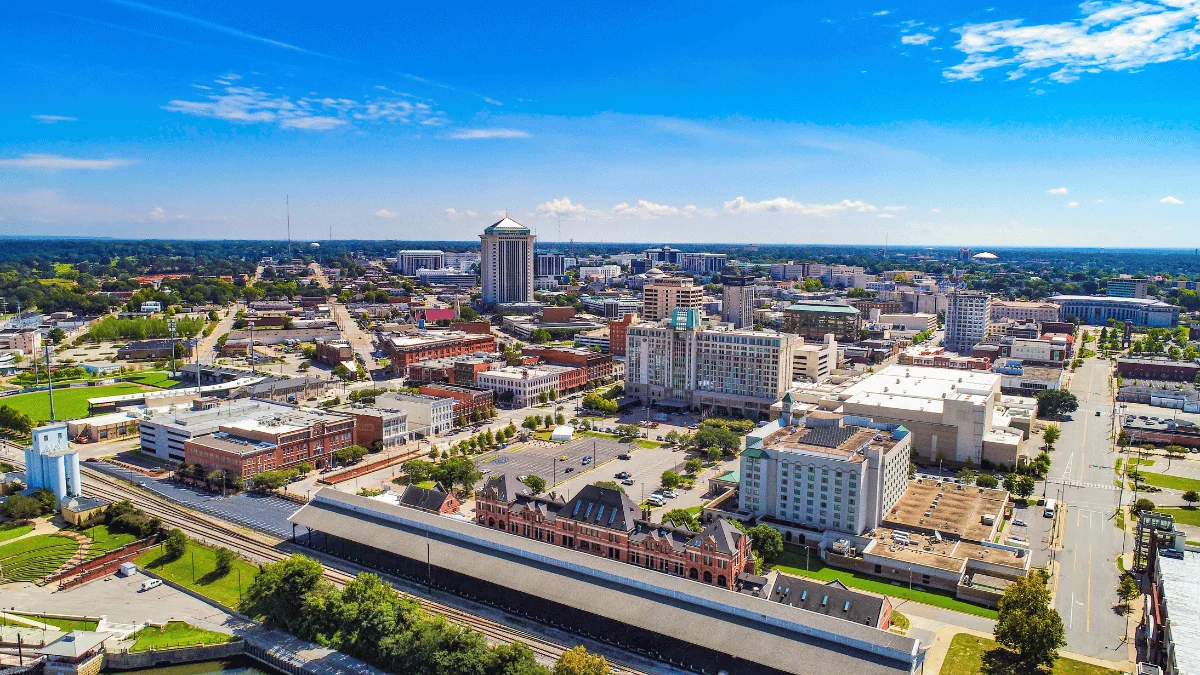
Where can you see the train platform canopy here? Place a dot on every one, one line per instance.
(777, 636)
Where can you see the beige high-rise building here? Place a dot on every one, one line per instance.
(665, 294)
(506, 262)
(737, 306)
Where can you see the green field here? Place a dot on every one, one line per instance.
(68, 403)
(791, 561)
(153, 378)
(34, 557)
(1183, 516)
(1162, 480)
(12, 531)
(65, 625)
(104, 541)
(176, 634)
(966, 656)
(221, 589)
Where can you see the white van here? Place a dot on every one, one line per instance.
(149, 584)
(655, 500)
(1050, 507)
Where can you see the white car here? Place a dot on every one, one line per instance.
(669, 494)
(655, 500)
(1020, 523)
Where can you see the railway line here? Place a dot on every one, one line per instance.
(261, 548)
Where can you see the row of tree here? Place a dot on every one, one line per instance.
(368, 620)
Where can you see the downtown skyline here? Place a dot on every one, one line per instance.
(927, 124)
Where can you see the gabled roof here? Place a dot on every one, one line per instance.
(75, 644)
(724, 533)
(832, 599)
(423, 498)
(506, 488)
(602, 507)
(506, 225)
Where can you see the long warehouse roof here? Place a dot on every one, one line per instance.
(757, 630)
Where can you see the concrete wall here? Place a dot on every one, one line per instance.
(164, 657)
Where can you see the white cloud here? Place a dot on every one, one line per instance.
(159, 213)
(455, 213)
(935, 211)
(882, 12)
(251, 105)
(644, 210)
(894, 208)
(58, 162)
(564, 208)
(479, 134)
(785, 205)
(1072, 205)
(1170, 200)
(1057, 191)
(886, 215)
(1124, 35)
(693, 211)
(54, 119)
(488, 99)
(917, 39)
(384, 213)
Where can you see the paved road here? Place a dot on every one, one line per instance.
(1082, 473)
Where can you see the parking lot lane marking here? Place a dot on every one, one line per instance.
(1089, 590)
(1075, 558)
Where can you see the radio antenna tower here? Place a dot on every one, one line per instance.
(288, 204)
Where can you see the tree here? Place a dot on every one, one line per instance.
(1142, 504)
(1174, 451)
(670, 479)
(540, 336)
(176, 544)
(536, 484)
(225, 558)
(693, 465)
(681, 518)
(1128, 589)
(22, 507)
(1010, 482)
(342, 372)
(714, 454)
(1050, 436)
(986, 480)
(579, 661)
(609, 485)
(1027, 624)
(418, 470)
(1054, 403)
(57, 335)
(966, 476)
(350, 454)
(559, 419)
(811, 284)
(1025, 487)
(532, 423)
(281, 590)
(766, 541)
(272, 480)
(1191, 497)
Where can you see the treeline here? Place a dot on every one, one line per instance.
(369, 621)
(113, 328)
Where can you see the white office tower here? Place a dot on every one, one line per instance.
(506, 263)
(968, 314)
(51, 463)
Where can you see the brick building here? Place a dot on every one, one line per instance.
(377, 428)
(617, 331)
(1133, 368)
(433, 370)
(334, 352)
(248, 446)
(473, 327)
(557, 314)
(406, 350)
(154, 349)
(431, 500)
(570, 378)
(598, 365)
(469, 403)
(606, 522)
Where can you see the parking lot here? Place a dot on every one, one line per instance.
(544, 459)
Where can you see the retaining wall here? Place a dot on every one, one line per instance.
(176, 656)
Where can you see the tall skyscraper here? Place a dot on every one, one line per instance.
(737, 306)
(506, 264)
(662, 295)
(968, 314)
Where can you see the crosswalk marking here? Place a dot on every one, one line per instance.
(1081, 484)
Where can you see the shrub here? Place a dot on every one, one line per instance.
(176, 544)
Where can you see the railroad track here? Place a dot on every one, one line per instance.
(260, 547)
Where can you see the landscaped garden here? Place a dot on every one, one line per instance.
(104, 541)
(13, 530)
(65, 625)
(197, 569)
(176, 634)
(34, 557)
(970, 655)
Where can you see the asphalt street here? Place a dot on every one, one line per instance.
(1082, 478)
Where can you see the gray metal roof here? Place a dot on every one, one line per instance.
(774, 635)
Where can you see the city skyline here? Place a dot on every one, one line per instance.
(984, 125)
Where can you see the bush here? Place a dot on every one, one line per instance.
(1142, 504)
(22, 507)
(175, 545)
(986, 480)
(225, 558)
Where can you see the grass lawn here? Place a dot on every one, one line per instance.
(1162, 480)
(792, 562)
(1139, 461)
(967, 652)
(221, 589)
(1184, 516)
(68, 403)
(65, 625)
(34, 557)
(104, 541)
(427, 484)
(153, 378)
(176, 634)
(12, 531)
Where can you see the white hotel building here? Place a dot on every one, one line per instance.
(525, 384)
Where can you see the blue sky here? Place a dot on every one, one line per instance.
(1002, 123)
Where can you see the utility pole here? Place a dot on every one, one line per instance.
(171, 326)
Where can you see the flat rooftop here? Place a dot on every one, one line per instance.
(821, 308)
(843, 442)
(922, 388)
(1181, 594)
(418, 340)
(771, 634)
(949, 555)
(959, 512)
(232, 444)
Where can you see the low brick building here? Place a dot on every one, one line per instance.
(153, 349)
(377, 428)
(1133, 368)
(605, 522)
(431, 500)
(599, 366)
(408, 349)
(247, 446)
(470, 403)
(334, 352)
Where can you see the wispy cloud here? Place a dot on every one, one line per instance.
(1072, 205)
(60, 163)
(882, 12)
(1057, 191)
(1170, 200)
(646, 210)
(1124, 35)
(455, 213)
(158, 213)
(482, 134)
(785, 205)
(917, 39)
(251, 105)
(54, 119)
(384, 213)
(886, 215)
(563, 208)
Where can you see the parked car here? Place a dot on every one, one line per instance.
(623, 455)
(587, 460)
(669, 494)
(627, 481)
(655, 500)
(1020, 523)
(522, 478)
(622, 474)
(569, 469)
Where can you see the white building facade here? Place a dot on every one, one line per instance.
(968, 315)
(506, 262)
(526, 385)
